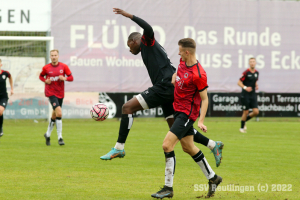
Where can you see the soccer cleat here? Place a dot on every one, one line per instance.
(213, 184)
(217, 151)
(164, 192)
(1, 132)
(114, 153)
(245, 127)
(242, 130)
(61, 142)
(47, 140)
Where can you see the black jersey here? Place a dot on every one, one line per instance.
(155, 58)
(3, 76)
(249, 79)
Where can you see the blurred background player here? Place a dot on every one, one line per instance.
(190, 92)
(160, 70)
(248, 83)
(53, 74)
(3, 93)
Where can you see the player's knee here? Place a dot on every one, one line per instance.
(186, 149)
(126, 109)
(256, 112)
(166, 147)
(58, 114)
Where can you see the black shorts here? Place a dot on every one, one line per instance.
(182, 126)
(55, 102)
(159, 95)
(249, 101)
(3, 102)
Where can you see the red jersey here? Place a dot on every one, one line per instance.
(189, 82)
(56, 87)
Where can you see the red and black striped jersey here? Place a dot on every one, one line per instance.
(3, 76)
(189, 82)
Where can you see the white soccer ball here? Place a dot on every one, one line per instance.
(99, 112)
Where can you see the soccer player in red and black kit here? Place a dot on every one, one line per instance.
(3, 93)
(190, 93)
(248, 83)
(160, 70)
(53, 75)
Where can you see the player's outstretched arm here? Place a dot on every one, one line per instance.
(204, 106)
(122, 12)
(11, 85)
(148, 31)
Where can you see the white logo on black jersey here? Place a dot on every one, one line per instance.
(255, 75)
(4, 104)
(249, 75)
(3, 76)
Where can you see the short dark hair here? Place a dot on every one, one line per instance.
(133, 35)
(187, 43)
(252, 58)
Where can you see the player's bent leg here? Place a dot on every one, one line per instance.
(128, 109)
(213, 179)
(168, 146)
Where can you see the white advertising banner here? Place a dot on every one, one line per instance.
(93, 41)
(29, 15)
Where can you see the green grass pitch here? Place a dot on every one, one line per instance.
(267, 155)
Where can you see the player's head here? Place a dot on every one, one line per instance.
(187, 48)
(54, 55)
(252, 62)
(134, 42)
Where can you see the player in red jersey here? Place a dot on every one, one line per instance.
(53, 75)
(190, 92)
(248, 83)
(3, 93)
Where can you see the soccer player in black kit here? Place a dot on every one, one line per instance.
(248, 83)
(160, 70)
(3, 93)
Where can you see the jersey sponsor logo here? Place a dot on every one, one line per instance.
(186, 75)
(61, 71)
(56, 78)
(177, 78)
(50, 72)
(249, 75)
(3, 76)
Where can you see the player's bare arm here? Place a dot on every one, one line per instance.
(256, 86)
(204, 106)
(248, 89)
(11, 85)
(122, 12)
(174, 79)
